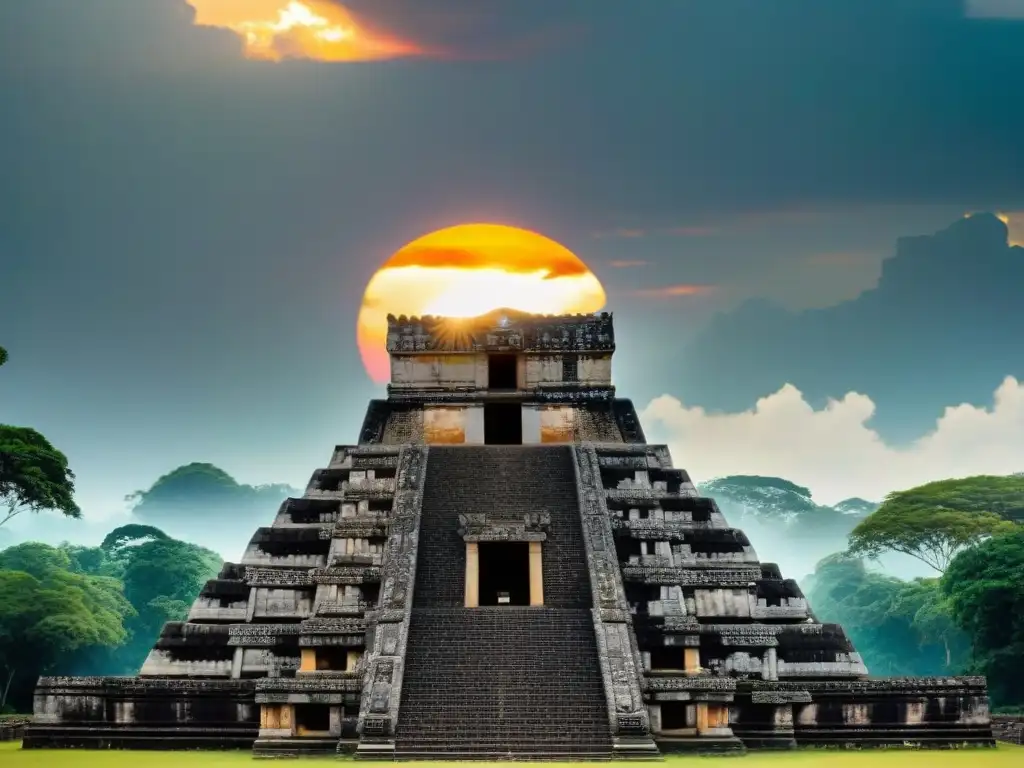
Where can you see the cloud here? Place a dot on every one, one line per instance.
(322, 30)
(634, 232)
(939, 326)
(806, 105)
(832, 450)
(995, 9)
(674, 291)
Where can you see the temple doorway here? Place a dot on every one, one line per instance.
(504, 573)
(502, 372)
(503, 424)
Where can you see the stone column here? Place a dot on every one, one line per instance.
(701, 708)
(472, 574)
(308, 660)
(691, 660)
(536, 574)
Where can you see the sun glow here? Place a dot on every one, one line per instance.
(1014, 221)
(470, 270)
(274, 30)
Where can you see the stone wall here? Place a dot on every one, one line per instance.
(1008, 728)
(464, 425)
(141, 713)
(469, 372)
(13, 728)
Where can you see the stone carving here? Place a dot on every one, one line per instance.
(617, 649)
(503, 329)
(390, 628)
(478, 527)
(780, 697)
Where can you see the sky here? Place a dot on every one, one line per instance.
(195, 198)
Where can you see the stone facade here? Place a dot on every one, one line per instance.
(1009, 728)
(304, 646)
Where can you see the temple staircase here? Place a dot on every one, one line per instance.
(501, 682)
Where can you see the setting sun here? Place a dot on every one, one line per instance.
(470, 269)
(275, 30)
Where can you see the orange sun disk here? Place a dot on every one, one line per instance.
(468, 270)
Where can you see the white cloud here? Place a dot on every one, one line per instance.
(832, 451)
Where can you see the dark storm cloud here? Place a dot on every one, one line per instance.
(655, 109)
(937, 331)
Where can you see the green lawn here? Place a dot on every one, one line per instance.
(1006, 756)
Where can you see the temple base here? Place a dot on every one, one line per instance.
(288, 747)
(635, 749)
(701, 745)
(375, 750)
(143, 713)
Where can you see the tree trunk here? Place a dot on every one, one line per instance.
(7, 689)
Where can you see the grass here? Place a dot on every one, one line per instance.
(1005, 756)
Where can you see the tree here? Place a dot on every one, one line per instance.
(985, 591)
(929, 611)
(1002, 495)
(162, 578)
(203, 502)
(3, 355)
(34, 476)
(935, 522)
(897, 626)
(48, 615)
(118, 540)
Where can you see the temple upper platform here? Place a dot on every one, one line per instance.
(505, 377)
(500, 354)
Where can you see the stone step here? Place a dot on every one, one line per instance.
(494, 683)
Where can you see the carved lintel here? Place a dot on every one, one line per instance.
(479, 527)
(780, 697)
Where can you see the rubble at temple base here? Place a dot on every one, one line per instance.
(503, 568)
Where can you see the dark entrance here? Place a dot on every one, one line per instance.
(315, 718)
(503, 424)
(504, 573)
(501, 372)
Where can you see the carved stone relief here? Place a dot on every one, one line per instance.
(616, 643)
(389, 624)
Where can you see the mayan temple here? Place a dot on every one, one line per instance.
(502, 567)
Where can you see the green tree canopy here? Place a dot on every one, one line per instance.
(50, 614)
(140, 575)
(168, 568)
(36, 559)
(34, 476)
(1002, 495)
(130, 535)
(196, 490)
(162, 578)
(985, 591)
(935, 522)
(185, 485)
(899, 627)
(3, 355)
